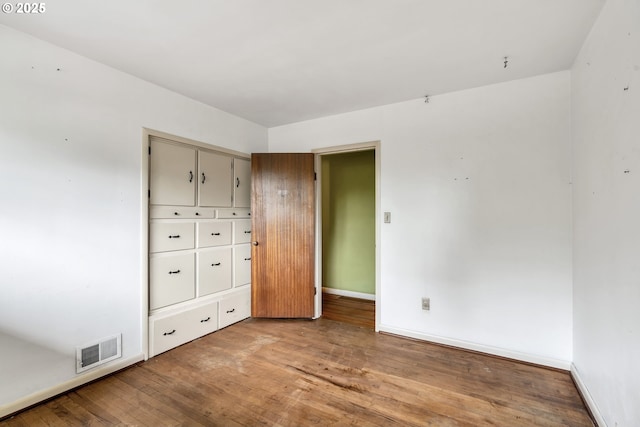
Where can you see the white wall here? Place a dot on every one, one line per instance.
(478, 185)
(606, 152)
(70, 168)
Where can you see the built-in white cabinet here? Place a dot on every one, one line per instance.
(199, 242)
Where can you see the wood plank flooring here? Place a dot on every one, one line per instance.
(355, 311)
(267, 372)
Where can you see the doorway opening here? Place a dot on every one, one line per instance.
(347, 233)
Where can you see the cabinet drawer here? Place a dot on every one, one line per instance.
(242, 231)
(171, 331)
(171, 279)
(214, 234)
(174, 236)
(242, 265)
(168, 332)
(214, 271)
(203, 320)
(235, 308)
(164, 212)
(234, 213)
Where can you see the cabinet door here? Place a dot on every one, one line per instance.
(214, 179)
(171, 279)
(242, 265)
(172, 179)
(214, 271)
(241, 183)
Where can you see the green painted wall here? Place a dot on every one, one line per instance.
(348, 221)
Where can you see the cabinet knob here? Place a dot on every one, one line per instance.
(254, 243)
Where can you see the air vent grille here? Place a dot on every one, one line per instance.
(98, 352)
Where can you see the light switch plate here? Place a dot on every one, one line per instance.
(387, 217)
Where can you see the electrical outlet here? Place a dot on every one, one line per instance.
(426, 304)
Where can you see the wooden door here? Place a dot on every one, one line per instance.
(283, 231)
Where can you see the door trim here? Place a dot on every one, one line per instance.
(319, 152)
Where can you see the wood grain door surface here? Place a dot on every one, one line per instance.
(283, 227)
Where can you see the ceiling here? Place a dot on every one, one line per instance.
(282, 61)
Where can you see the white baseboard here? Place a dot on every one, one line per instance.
(352, 294)
(77, 381)
(586, 396)
(496, 351)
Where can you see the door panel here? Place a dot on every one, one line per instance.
(172, 180)
(241, 183)
(283, 231)
(214, 176)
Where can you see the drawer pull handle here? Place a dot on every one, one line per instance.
(174, 272)
(169, 333)
(215, 265)
(215, 234)
(174, 236)
(190, 176)
(248, 259)
(203, 177)
(231, 311)
(247, 231)
(237, 182)
(205, 320)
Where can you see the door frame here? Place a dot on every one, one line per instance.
(319, 152)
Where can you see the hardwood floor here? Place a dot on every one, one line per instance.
(322, 373)
(355, 311)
